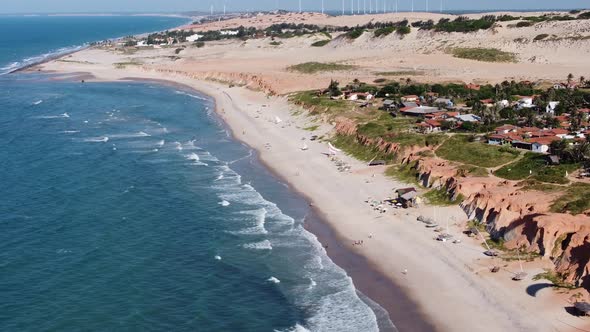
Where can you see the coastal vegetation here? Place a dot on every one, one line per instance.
(440, 197)
(458, 148)
(483, 54)
(321, 43)
(574, 200)
(535, 166)
(315, 67)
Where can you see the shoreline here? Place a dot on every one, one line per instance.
(403, 312)
(445, 280)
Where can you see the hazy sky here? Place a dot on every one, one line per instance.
(41, 6)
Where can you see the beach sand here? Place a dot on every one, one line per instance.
(448, 283)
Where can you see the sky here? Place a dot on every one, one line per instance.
(85, 6)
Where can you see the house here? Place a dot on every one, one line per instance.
(553, 160)
(429, 126)
(445, 102)
(525, 102)
(468, 118)
(487, 102)
(389, 105)
(419, 110)
(496, 139)
(407, 196)
(541, 144)
(360, 96)
(505, 129)
(551, 107)
(194, 38)
(503, 103)
(558, 132)
(472, 86)
(410, 98)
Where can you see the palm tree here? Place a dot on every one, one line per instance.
(570, 77)
(582, 80)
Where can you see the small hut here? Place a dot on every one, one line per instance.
(407, 196)
(553, 160)
(583, 308)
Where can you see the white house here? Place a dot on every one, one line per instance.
(229, 32)
(194, 38)
(551, 107)
(525, 102)
(540, 147)
(468, 118)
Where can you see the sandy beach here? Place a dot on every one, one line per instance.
(450, 284)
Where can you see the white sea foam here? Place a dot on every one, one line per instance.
(61, 116)
(217, 257)
(190, 95)
(296, 328)
(224, 203)
(132, 135)
(38, 102)
(195, 159)
(101, 139)
(161, 143)
(262, 245)
(70, 131)
(178, 146)
(273, 280)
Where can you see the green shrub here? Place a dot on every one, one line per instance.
(321, 43)
(483, 54)
(316, 67)
(199, 44)
(524, 24)
(384, 31)
(403, 30)
(355, 33)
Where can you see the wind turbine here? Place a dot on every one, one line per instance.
(427, 6)
(412, 6)
(352, 7)
(322, 6)
(300, 6)
(441, 6)
(342, 7)
(364, 6)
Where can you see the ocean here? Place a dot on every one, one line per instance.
(130, 207)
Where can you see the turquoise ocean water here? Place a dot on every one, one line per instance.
(129, 207)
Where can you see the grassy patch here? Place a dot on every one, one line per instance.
(470, 170)
(458, 148)
(319, 104)
(350, 145)
(404, 173)
(321, 43)
(574, 201)
(275, 43)
(316, 67)
(440, 197)
(531, 184)
(354, 34)
(483, 54)
(556, 278)
(123, 65)
(534, 165)
(384, 31)
(400, 73)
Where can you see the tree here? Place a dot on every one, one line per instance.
(582, 80)
(333, 88)
(558, 148)
(579, 152)
(570, 77)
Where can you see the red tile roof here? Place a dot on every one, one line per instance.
(544, 140)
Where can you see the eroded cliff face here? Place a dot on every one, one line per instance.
(349, 128)
(522, 217)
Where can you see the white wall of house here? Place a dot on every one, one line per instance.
(541, 148)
